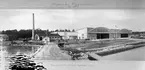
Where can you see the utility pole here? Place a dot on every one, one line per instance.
(33, 30)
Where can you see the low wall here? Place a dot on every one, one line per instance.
(120, 48)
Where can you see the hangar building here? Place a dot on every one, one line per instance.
(102, 33)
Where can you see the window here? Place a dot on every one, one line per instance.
(82, 36)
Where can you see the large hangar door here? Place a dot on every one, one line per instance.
(102, 35)
(124, 35)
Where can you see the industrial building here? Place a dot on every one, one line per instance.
(102, 33)
(67, 35)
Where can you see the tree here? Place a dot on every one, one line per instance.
(73, 30)
(56, 30)
(60, 30)
(65, 30)
(15, 34)
(68, 31)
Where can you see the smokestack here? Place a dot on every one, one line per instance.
(33, 27)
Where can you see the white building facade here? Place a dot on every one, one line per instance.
(68, 35)
(102, 33)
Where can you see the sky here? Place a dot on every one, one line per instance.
(133, 19)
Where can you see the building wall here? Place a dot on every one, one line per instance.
(92, 36)
(72, 37)
(67, 35)
(63, 34)
(82, 33)
(91, 33)
(54, 38)
(114, 35)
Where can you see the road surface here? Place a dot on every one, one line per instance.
(51, 52)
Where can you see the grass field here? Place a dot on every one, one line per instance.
(98, 44)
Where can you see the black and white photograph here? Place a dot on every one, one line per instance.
(32, 38)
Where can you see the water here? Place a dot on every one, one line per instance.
(137, 54)
(13, 50)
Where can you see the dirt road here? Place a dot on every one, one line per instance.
(51, 52)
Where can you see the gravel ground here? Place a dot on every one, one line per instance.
(51, 52)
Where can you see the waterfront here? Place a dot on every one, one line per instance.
(137, 54)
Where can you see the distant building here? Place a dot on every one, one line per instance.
(67, 35)
(54, 37)
(51, 37)
(46, 39)
(102, 33)
(3, 37)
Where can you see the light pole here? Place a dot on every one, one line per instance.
(116, 31)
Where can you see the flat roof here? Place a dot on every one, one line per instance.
(107, 30)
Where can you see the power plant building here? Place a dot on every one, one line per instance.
(102, 33)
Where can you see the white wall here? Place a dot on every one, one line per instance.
(82, 33)
(66, 35)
